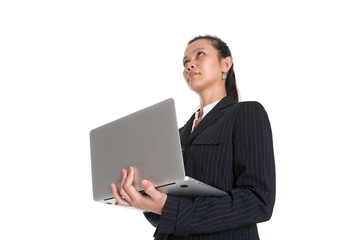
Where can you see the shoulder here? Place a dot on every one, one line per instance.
(250, 104)
(244, 109)
(250, 110)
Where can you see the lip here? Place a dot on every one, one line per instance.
(192, 74)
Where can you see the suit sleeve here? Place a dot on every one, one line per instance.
(153, 218)
(252, 198)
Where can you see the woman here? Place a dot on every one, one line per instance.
(226, 144)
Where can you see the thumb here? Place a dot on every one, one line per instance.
(149, 189)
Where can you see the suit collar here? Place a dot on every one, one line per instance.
(212, 116)
(225, 102)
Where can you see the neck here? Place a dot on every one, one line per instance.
(211, 97)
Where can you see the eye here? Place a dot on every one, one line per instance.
(185, 63)
(199, 54)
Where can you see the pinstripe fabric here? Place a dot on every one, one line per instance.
(231, 149)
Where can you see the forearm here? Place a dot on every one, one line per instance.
(184, 216)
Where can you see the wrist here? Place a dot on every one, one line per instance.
(160, 207)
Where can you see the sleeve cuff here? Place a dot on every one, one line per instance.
(167, 221)
(153, 218)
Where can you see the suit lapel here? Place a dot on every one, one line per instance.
(212, 116)
(184, 134)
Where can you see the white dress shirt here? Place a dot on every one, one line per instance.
(206, 109)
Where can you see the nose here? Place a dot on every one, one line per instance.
(190, 66)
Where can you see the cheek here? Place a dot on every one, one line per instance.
(215, 72)
(185, 76)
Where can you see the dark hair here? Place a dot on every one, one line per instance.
(223, 52)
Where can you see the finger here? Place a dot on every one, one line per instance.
(128, 185)
(124, 176)
(116, 194)
(136, 198)
(130, 177)
(150, 190)
(122, 191)
(119, 200)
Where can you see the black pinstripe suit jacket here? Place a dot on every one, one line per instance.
(231, 149)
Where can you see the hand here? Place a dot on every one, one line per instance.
(128, 196)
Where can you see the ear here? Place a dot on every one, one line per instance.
(226, 64)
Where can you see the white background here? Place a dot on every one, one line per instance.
(69, 66)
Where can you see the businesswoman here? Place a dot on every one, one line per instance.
(226, 144)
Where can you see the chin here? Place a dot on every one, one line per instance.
(195, 87)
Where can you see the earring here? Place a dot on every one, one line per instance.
(224, 76)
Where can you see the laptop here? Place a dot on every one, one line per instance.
(149, 141)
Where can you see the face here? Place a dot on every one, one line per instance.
(202, 68)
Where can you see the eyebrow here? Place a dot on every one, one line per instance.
(195, 50)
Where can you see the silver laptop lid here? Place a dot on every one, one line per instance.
(147, 139)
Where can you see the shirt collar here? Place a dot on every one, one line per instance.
(206, 110)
